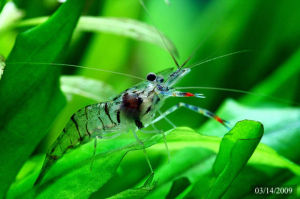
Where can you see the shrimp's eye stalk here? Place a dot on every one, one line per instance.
(151, 77)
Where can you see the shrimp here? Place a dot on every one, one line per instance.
(135, 108)
(132, 110)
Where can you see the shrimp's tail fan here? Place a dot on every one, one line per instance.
(49, 161)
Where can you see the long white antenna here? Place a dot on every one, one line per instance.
(218, 57)
(78, 66)
(161, 37)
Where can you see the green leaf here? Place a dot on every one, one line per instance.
(281, 125)
(2, 66)
(236, 148)
(192, 156)
(246, 132)
(83, 181)
(29, 95)
(2, 3)
(120, 26)
(137, 193)
(86, 88)
(132, 193)
(178, 186)
(280, 141)
(278, 84)
(73, 177)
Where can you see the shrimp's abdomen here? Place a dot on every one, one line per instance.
(88, 122)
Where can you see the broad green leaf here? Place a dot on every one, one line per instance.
(120, 26)
(73, 177)
(29, 95)
(236, 148)
(194, 155)
(83, 181)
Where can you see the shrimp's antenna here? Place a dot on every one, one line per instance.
(77, 66)
(216, 58)
(191, 56)
(239, 91)
(160, 35)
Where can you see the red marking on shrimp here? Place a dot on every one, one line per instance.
(189, 94)
(219, 119)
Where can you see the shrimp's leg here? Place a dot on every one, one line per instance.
(164, 138)
(167, 119)
(194, 108)
(164, 135)
(155, 131)
(103, 136)
(94, 152)
(144, 150)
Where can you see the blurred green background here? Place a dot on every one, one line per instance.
(270, 69)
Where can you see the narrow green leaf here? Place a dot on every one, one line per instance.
(86, 87)
(2, 3)
(120, 26)
(2, 66)
(279, 82)
(236, 148)
(29, 95)
(136, 193)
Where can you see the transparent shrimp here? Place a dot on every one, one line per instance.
(132, 110)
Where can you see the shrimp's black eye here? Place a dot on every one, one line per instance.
(151, 77)
(161, 80)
